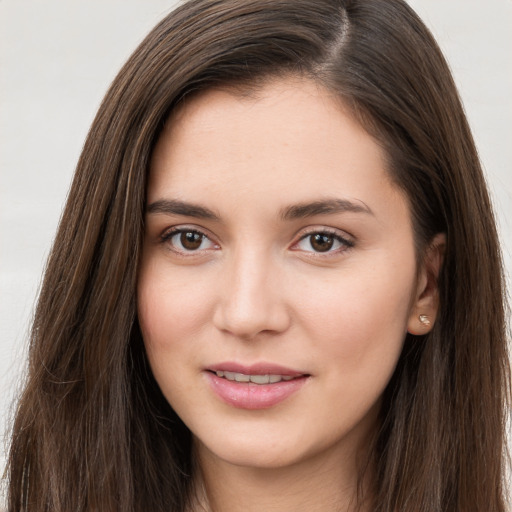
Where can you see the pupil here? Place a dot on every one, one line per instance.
(190, 240)
(321, 242)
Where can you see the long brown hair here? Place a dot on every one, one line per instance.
(92, 429)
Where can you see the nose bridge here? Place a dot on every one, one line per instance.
(250, 300)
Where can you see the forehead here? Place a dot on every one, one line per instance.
(249, 159)
(288, 127)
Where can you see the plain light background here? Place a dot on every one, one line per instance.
(57, 59)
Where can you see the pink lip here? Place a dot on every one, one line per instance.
(247, 395)
(255, 369)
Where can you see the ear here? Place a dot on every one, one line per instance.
(426, 299)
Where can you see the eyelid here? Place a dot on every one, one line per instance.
(347, 240)
(171, 231)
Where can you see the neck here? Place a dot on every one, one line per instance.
(320, 483)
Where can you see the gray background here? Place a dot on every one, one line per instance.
(57, 58)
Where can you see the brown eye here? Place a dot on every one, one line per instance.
(187, 241)
(321, 242)
(191, 240)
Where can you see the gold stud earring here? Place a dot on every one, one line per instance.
(424, 320)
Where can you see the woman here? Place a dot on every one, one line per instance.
(277, 281)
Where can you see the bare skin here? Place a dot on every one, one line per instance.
(275, 238)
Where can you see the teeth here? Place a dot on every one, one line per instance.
(256, 379)
(260, 379)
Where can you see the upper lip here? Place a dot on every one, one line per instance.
(262, 368)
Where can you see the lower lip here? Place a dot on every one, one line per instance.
(247, 395)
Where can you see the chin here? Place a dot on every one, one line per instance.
(251, 450)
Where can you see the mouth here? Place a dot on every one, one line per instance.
(258, 373)
(258, 386)
(255, 379)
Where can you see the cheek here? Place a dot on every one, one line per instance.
(169, 309)
(358, 331)
(360, 318)
(170, 321)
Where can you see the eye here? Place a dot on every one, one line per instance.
(323, 242)
(186, 240)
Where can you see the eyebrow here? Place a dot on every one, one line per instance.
(176, 207)
(293, 212)
(323, 207)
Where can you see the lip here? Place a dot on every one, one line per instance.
(262, 368)
(247, 395)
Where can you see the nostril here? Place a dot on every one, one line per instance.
(247, 320)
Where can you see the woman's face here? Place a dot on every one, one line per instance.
(278, 277)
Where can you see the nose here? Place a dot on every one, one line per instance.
(251, 299)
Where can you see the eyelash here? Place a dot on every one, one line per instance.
(167, 237)
(345, 244)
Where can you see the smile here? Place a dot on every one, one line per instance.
(257, 386)
(255, 379)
